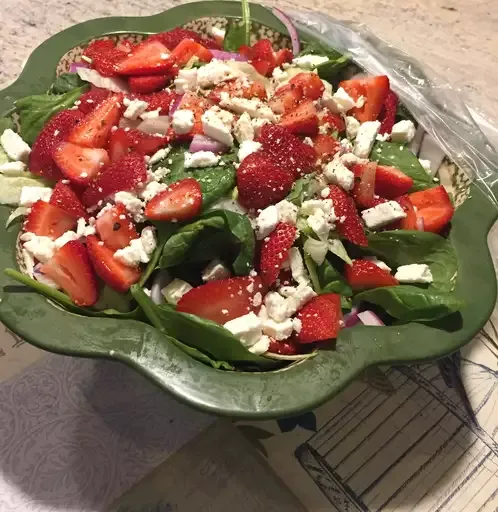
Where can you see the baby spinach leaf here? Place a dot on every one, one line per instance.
(65, 83)
(238, 34)
(199, 333)
(6, 123)
(406, 247)
(177, 246)
(304, 188)
(328, 70)
(399, 156)
(318, 48)
(35, 111)
(409, 303)
(326, 279)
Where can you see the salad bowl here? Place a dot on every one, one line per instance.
(285, 391)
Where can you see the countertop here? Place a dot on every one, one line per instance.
(455, 37)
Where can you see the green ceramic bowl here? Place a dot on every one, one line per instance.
(299, 387)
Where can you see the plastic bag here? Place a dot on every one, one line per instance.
(430, 99)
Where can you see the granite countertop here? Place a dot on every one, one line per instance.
(455, 37)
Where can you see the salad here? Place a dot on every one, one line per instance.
(248, 201)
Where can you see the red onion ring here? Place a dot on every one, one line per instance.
(175, 104)
(370, 318)
(204, 143)
(296, 43)
(221, 55)
(73, 68)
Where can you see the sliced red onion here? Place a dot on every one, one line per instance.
(420, 224)
(351, 318)
(104, 82)
(204, 143)
(132, 124)
(161, 279)
(370, 318)
(155, 125)
(175, 104)
(221, 55)
(73, 68)
(296, 44)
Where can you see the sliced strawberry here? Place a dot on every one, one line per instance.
(222, 300)
(173, 38)
(261, 182)
(262, 57)
(330, 123)
(148, 58)
(364, 187)
(286, 98)
(115, 228)
(302, 120)
(410, 221)
(180, 201)
(150, 83)
(45, 219)
(79, 164)
(188, 49)
(373, 89)
(235, 89)
(287, 150)
(56, 130)
(92, 99)
(105, 56)
(65, 198)
(123, 175)
(349, 224)
(365, 274)
(125, 46)
(70, 268)
(320, 318)
(387, 115)
(283, 56)
(311, 84)
(122, 142)
(274, 251)
(161, 100)
(286, 347)
(434, 207)
(93, 131)
(391, 182)
(326, 147)
(98, 47)
(117, 275)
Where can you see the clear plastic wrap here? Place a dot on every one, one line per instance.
(431, 99)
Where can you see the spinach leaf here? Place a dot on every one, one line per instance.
(35, 111)
(406, 247)
(199, 333)
(337, 247)
(304, 188)
(177, 247)
(409, 303)
(399, 156)
(65, 83)
(317, 48)
(325, 278)
(238, 34)
(6, 123)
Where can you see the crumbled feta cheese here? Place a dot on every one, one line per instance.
(415, 273)
(348, 160)
(379, 263)
(243, 129)
(338, 174)
(9, 167)
(159, 155)
(134, 108)
(68, 236)
(275, 307)
(403, 131)
(383, 214)
(311, 206)
(83, 230)
(266, 222)
(321, 223)
(218, 33)
(287, 291)
(278, 330)
(248, 328)
(214, 73)
(366, 138)
(175, 290)
(352, 127)
(287, 212)
(186, 80)
(297, 325)
(279, 75)
(40, 247)
(200, 159)
(261, 346)
(339, 102)
(29, 195)
(151, 115)
(309, 61)
(257, 124)
(215, 271)
(257, 299)
(426, 164)
(152, 189)
(139, 250)
(265, 112)
(132, 203)
(240, 105)
(246, 148)
(298, 271)
(29, 262)
(14, 146)
(304, 293)
(382, 137)
(217, 127)
(183, 121)
(360, 102)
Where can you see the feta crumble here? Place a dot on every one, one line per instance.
(29, 195)
(135, 108)
(215, 271)
(14, 146)
(365, 138)
(183, 121)
(175, 290)
(383, 214)
(415, 273)
(200, 159)
(246, 148)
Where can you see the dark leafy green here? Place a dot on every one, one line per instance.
(410, 303)
(337, 61)
(238, 33)
(399, 156)
(6, 123)
(201, 334)
(178, 245)
(325, 278)
(65, 83)
(304, 188)
(406, 247)
(403, 114)
(35, 111)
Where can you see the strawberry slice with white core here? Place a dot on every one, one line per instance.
(64, 197)
(223, 300)
(320, 318)
(180, 201)
(116, 274)
(45, 219)
(94, 129)
(70, 268)
(115, 228)
(148, 58)
(79, 164)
